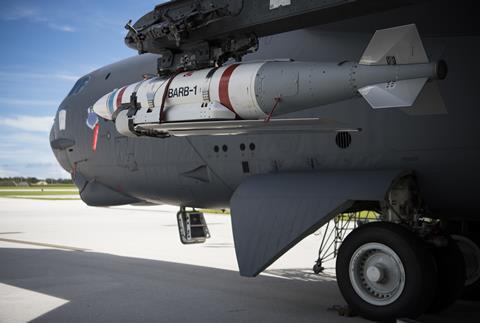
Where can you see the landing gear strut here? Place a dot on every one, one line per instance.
(335, 231)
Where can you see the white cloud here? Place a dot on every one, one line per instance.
(13, 139)
(19, 13)
(28, 123)
(22, 151)
(58, 75)
(65, 28)
(20, 155)
(33, 15)
(67, 77)
(8, 172)
(27, 153)
(29, 102)
(41, 171)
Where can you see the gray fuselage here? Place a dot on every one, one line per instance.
(441, 146)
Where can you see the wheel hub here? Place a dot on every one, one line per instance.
(377, 274)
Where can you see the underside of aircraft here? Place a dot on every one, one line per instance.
(293, 113)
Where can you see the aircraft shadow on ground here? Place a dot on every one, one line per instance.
(104, 287)
(107, 288)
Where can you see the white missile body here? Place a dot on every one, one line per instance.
(188, 91)
(391, 73)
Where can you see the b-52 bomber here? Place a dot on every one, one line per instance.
(291, 113)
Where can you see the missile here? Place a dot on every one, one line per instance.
(391, 73)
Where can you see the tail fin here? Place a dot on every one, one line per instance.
(393, 94)
(398, 45)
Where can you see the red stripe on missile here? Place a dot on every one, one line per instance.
(223, 87)
(119, 96)
(95, 137)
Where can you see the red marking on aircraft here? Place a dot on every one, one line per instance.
(95, 137)
(223, 87)
(119, 96)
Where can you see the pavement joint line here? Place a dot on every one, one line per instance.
(43, 244)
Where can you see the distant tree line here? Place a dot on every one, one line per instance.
(12, 181)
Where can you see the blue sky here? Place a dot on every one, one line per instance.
(45, 47)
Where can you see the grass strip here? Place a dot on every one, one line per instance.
(215, 211)
(37, 187)
(43, 198)
(37, 193)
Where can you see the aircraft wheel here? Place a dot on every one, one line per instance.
(451, 275)
(471, 255)
(385, 272)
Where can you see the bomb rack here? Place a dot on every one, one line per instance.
(196, 34)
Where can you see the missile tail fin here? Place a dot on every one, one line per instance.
(393, 94)
(397, 45)
(429, 102)
(394, 46)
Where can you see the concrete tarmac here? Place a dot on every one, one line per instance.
(62, 261)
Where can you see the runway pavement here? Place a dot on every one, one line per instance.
(62, 261)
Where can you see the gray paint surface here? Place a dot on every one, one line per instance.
(271, 213)
(439, 144)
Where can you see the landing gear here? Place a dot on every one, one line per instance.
(318, 268)
(466, 234)
(335, 231)
(471, 255)
(384, 272)
(400, 263)
(451, 275)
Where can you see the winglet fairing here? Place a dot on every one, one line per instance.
(297, 204)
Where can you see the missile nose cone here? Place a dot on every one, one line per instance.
(101, 107)
(441, 70)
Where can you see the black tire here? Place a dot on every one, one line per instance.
(451, 276)
(471, 291)
(471, 231)
(417, 260)
(317, 269)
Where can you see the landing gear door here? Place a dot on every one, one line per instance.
(192, 227)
